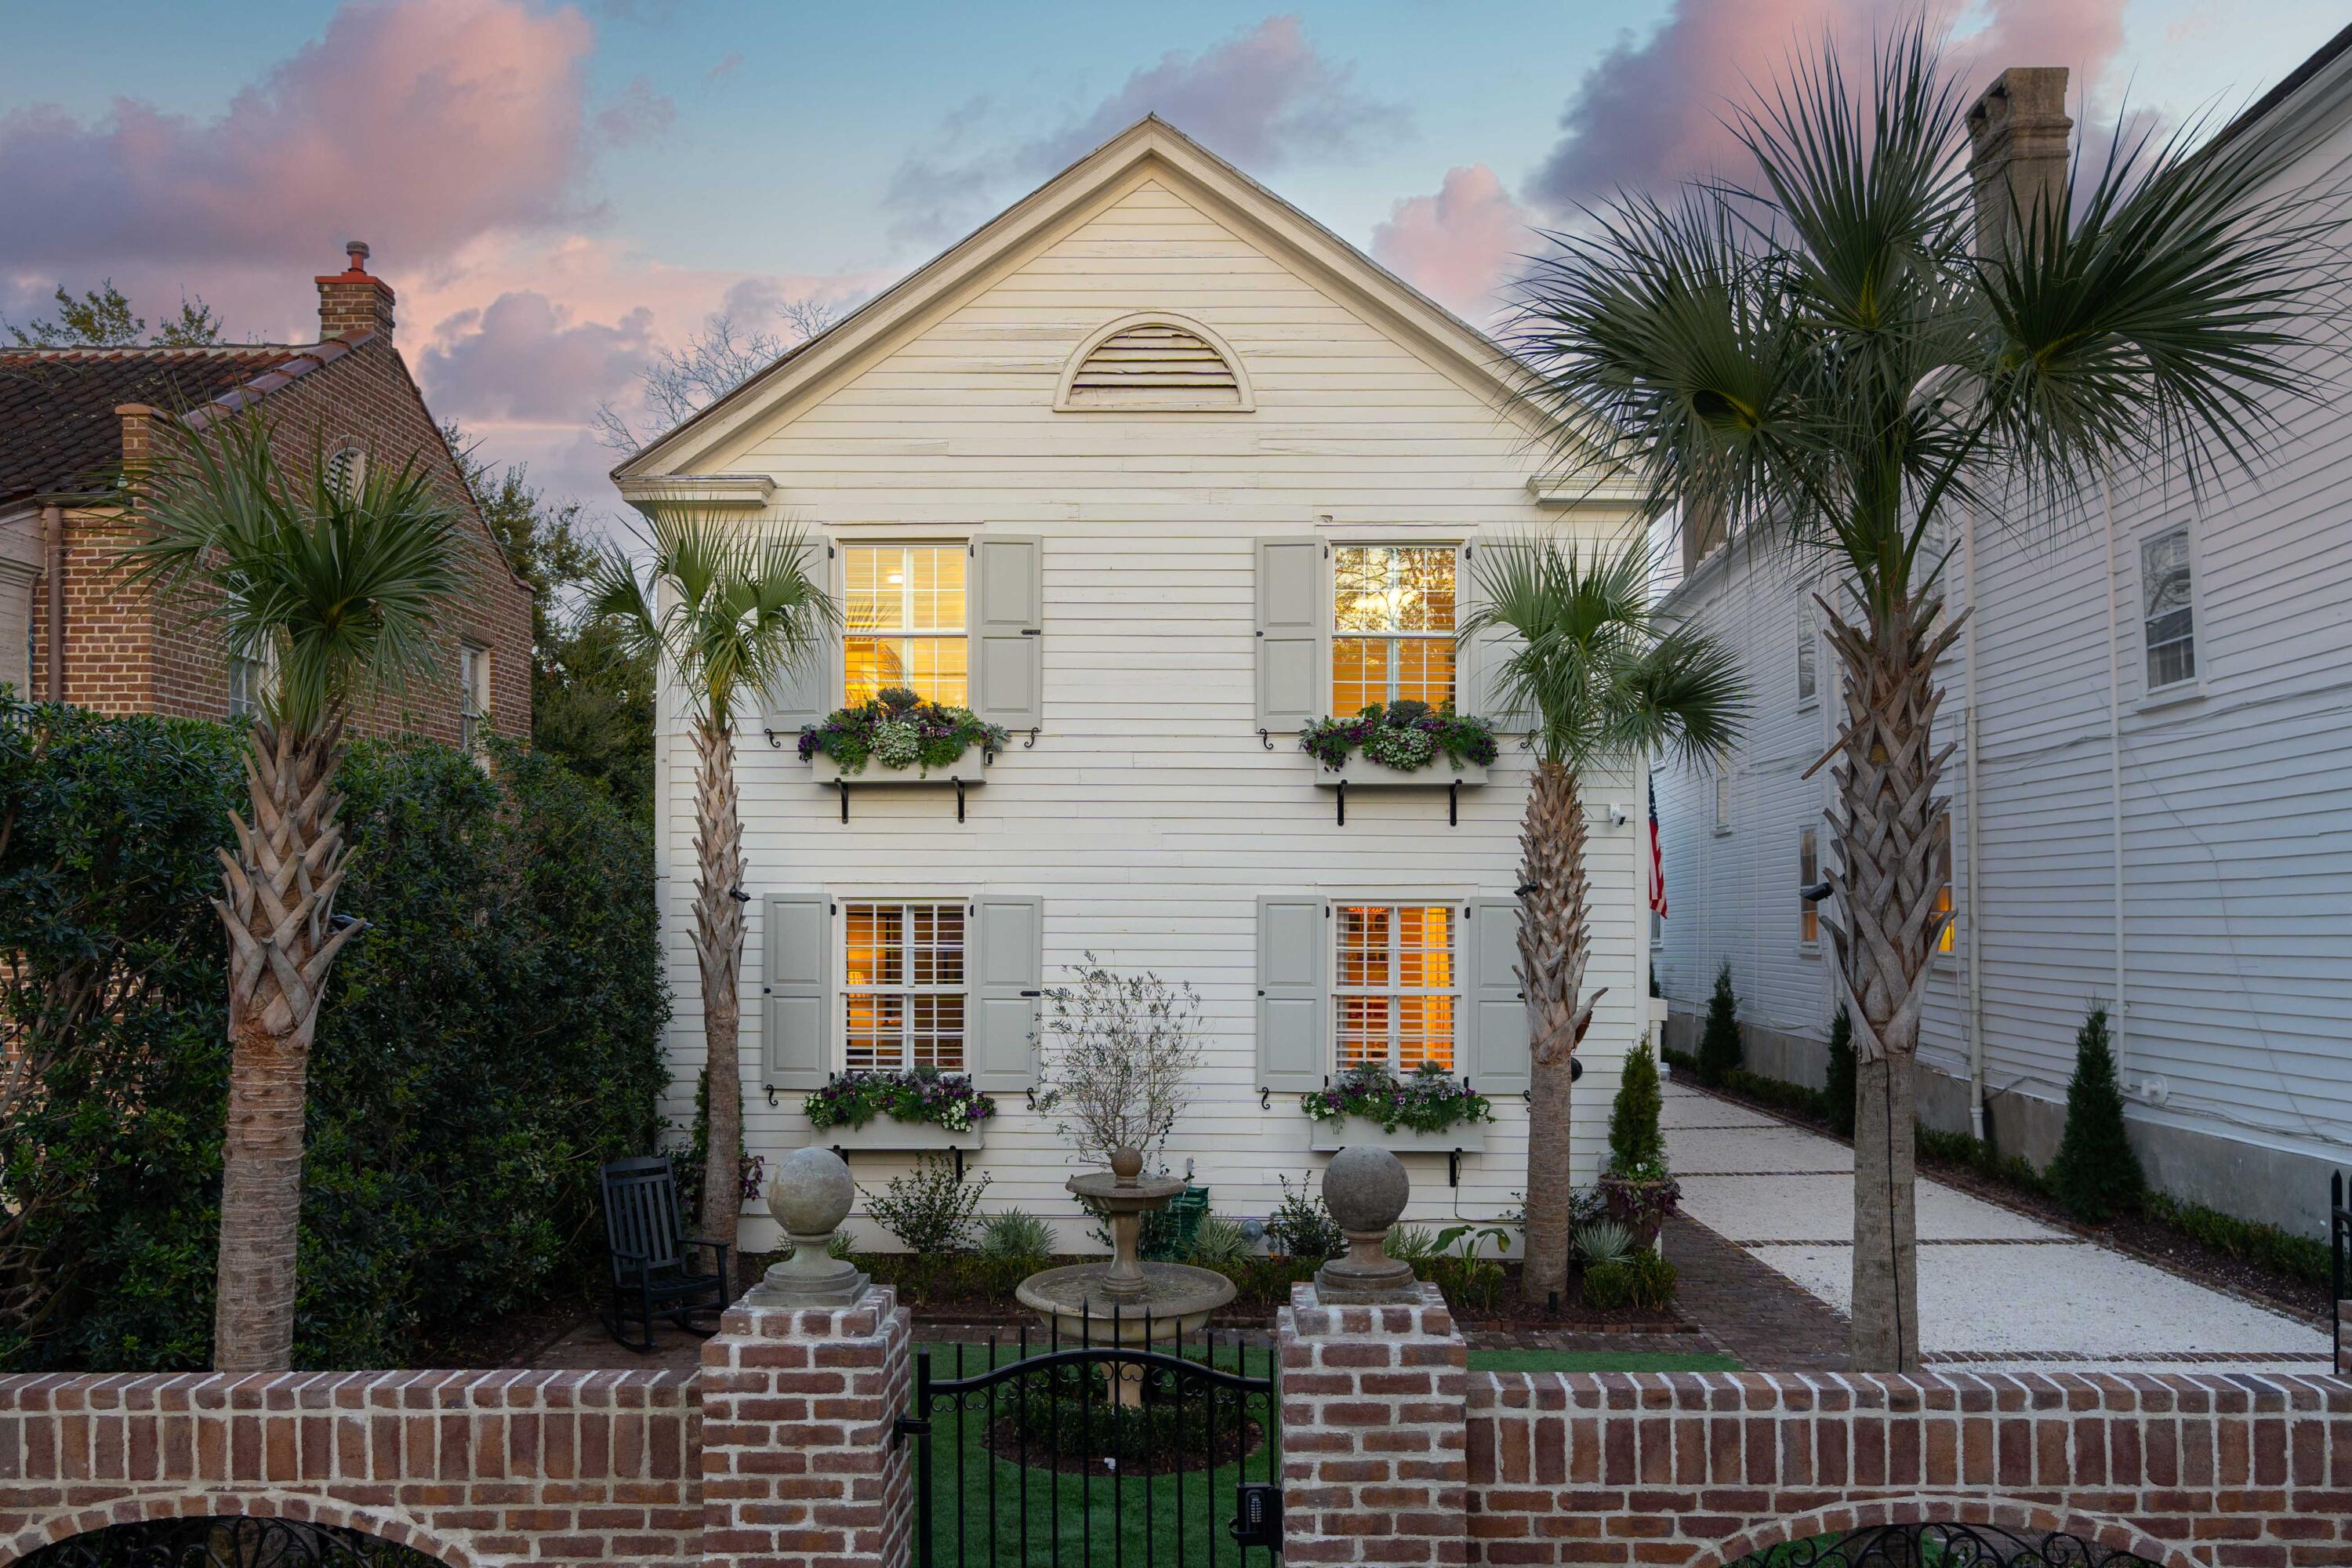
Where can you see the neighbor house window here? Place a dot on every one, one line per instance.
(1808, 673)
(1723, 803)
(243, 686)
(1944, 882)
(903, 620)
(1809, 871)
(903, 987)
(472, 695)
(2167, 622)
(1391, 625)
(1393, 985)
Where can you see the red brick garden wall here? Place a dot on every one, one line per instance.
(477, 1469)
(1694, 1470)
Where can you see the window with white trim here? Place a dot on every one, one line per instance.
(1944, 884)
(904, 622)
(1395, 985)
(1722, 802)
(2167, 616)
(903, 984)
(472, 695)
(1808, 684)
(1809, 872)
(1393, 624)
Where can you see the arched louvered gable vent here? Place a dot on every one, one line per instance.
(1155, 363)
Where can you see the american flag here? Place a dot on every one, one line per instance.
(1657, 865)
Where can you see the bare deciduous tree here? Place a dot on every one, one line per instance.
(682, 382)
(1125, 1049)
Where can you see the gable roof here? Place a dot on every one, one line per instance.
(1411, 316)
(58, 431)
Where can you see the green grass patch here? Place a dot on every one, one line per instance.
(986, 1509)
(1601, 1361)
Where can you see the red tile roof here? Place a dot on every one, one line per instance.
(58, 431)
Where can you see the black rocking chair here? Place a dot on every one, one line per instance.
(649, 1249)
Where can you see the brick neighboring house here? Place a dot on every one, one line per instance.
(70, 418)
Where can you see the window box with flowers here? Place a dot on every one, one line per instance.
(1430, 1112)
(895, 737)
(919, 1108)
(1402, 742)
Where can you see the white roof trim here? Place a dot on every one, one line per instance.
(755, 490)
(1586, 488)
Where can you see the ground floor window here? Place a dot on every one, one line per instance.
(903, 985)
(1394, 979)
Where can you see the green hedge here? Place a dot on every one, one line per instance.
(489, 1040)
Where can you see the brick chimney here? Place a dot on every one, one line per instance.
(2017, 152)
(354, 300)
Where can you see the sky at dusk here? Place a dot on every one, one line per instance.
(558, 191)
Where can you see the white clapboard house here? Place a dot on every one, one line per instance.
(1123, 472)
(2151, 796)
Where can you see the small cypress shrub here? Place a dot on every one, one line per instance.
(1608, 1286)
(1839, 1090)
(1636, 1147)
(2095, 1174)
(1718, 1042)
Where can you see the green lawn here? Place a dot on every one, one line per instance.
(1600, 1361)
(987, 1511)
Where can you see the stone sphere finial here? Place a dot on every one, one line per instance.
(810, 1195)
(1366, 1189)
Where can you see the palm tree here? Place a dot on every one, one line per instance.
(335, 586)
(1832, 356)
(1604, 682)
(730, 610)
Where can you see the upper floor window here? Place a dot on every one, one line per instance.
(1393, 619)
(1722, 802)
(1393, 985)
(904, 622)
(248, 679)
(1944, 884)
(903, 985)
(1809, 873)
(472, 695)
(2167, 616)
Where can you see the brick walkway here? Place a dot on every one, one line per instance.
(1761, 1317)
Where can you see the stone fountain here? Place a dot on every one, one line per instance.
(1125, 1300)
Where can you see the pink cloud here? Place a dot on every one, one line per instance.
(524, 357)
(1262, 97)
(1458, 244)
(1652, 110)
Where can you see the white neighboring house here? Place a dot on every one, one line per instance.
(1142, 583)
(2151, 800)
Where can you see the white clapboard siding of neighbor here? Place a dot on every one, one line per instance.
(2236, 793)
(1149, 820)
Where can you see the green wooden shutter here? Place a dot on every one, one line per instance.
(1008, 625)
(1289, 632)
(796, 935)
(1494, 1011)
(1007, 975)
(1481, 688)
(811, 689)
(1293, 1045)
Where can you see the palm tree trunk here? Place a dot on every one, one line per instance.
(1555, 939)
(719, 951)
(279, 911)
(1885, 928)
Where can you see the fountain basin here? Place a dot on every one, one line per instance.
(1176, 1299)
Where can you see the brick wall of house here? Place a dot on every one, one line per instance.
(124, 654)
(1695, 1471)
(474, 1467)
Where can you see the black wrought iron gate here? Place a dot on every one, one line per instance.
(1111, 1449)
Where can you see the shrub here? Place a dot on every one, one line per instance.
(1301, 1227)
(1654, 1282)
(930, 1210)
(1220, 1243)
(1412, 1243)
(1718, 1042)
(1015, 1235)
(1603, 1241)
(491, 1037)
(2095, 1174)
(1608, 1286)
(1838, 1092)
(1636, 1146)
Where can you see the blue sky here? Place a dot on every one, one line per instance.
(559, 191)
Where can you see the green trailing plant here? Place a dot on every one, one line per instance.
(1301, 1227)
(931, 1210)
(1012, 1233)
(1404, 735)
(1718, 1040)
(1637, 1146)
(1431, 1100)
(919, 1096)
(1837, 1093)
(2095, 1174)
(895, 729)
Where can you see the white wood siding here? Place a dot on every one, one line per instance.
(1150, 817)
